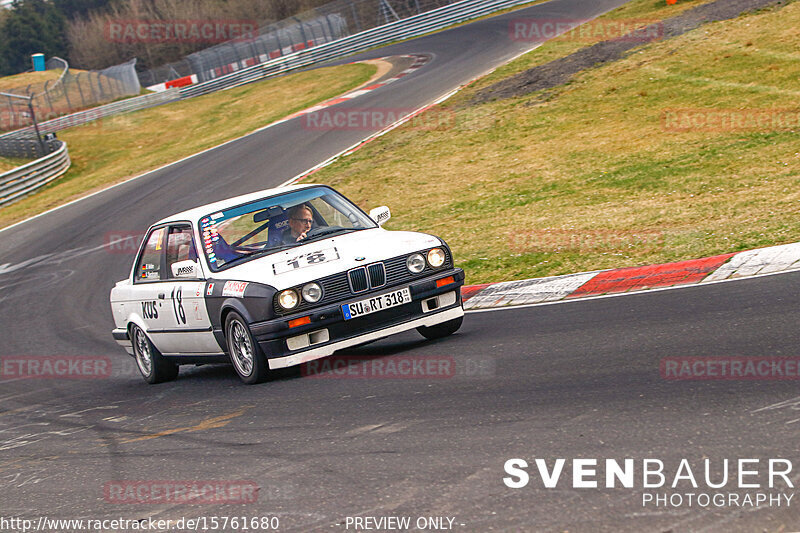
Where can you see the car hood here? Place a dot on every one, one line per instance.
(372, 245)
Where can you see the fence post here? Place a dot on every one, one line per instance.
(95, 99)
(80, 91)
(355, 18)
(47, 97)
(66, 92)
(330, 26)
(100, 88)
(302, 31)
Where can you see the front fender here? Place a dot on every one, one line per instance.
(254, 304)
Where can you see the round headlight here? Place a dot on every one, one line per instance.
(312, 293)
(415, 263)
(436, 257)
(288, 299)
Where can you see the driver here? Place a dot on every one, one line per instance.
(300, 219)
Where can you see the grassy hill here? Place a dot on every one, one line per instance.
(659, 156)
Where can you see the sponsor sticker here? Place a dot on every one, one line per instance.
(305, 260)
(210, 289)
(234, 289)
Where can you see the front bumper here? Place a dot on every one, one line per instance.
(431, 303)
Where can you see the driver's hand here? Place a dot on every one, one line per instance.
(301, 236)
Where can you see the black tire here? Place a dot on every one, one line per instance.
(152, 365)
(246, 356)
(441, 330)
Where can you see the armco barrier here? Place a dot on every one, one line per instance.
(25, 179)
(401, 29)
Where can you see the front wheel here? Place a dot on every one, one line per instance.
(441, 330)
(246, 355)
(152, 365)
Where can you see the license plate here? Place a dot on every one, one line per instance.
(376, 303)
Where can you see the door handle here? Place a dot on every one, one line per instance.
(160, 295)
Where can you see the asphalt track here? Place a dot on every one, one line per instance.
(573, 380)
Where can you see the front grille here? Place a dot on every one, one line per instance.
(358, 279)
(337, 288)
(377, 275)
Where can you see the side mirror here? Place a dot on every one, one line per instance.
(185, 269)
(380, 215)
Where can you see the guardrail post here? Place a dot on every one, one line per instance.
(355, 18)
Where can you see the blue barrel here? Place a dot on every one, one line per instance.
(38, 62)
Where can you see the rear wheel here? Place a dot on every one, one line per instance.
(245, 353)
(441, 330)
(152, 365)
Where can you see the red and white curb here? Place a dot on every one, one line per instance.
(419, 61)
(761, 261)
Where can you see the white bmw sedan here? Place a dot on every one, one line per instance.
(278, 278)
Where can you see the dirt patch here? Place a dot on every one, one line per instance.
(383, 66)
(561, 70)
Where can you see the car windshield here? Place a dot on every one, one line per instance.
(277, 222)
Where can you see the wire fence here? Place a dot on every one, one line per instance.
(324, 24)
(69, 93)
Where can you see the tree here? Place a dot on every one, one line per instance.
(31, 26)
(72, 9)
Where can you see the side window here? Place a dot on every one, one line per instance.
(180, 246)
(149, 266)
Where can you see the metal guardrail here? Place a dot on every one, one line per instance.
(402, 29)
(25, 179)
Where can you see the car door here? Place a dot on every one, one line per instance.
(148, 299)
(189, 330)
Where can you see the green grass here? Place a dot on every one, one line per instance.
(35, 80)
(587, 176)
(111, 150)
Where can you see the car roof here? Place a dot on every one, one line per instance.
(196, 213)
